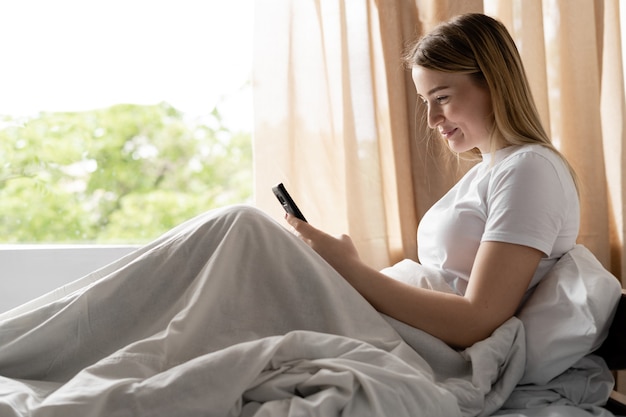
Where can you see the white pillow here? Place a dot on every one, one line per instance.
(568, 316)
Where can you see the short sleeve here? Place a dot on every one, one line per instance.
(526, 202)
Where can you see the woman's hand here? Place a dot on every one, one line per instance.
(339, 252)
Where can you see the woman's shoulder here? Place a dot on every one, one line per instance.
(520, 152)
(531, 157)
(535, 165)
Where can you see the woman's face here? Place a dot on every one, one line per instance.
(458, 107)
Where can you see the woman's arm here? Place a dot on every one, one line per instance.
(500, 276)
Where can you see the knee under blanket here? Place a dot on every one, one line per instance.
(231, 315)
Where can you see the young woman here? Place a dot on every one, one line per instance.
(506, 222)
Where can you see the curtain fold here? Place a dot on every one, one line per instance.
(336, 117)
(613, 113)
(576, 124)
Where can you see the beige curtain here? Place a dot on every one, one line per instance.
(336, 117)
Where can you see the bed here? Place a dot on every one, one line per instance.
(231, 315)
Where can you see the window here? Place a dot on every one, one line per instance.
(120, 119)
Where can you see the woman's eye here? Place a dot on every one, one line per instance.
(441, 99)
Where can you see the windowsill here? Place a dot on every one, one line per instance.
(32, 270)
(47, 246)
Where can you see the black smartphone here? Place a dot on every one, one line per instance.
(286, 201)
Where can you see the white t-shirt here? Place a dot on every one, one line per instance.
(525, 196)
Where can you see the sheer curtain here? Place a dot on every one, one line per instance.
(336, 117)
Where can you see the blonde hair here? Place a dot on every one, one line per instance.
(482, 47)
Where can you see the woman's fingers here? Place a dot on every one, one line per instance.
(302, 229)
(328, 246)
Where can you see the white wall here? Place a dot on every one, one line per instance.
(27, 272)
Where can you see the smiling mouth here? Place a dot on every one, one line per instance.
(448, 133)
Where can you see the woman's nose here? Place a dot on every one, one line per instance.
(435, 116)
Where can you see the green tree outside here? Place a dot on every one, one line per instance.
(124, 174)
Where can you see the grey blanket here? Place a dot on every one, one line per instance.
(231, 315)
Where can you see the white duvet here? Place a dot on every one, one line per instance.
(231, 315)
